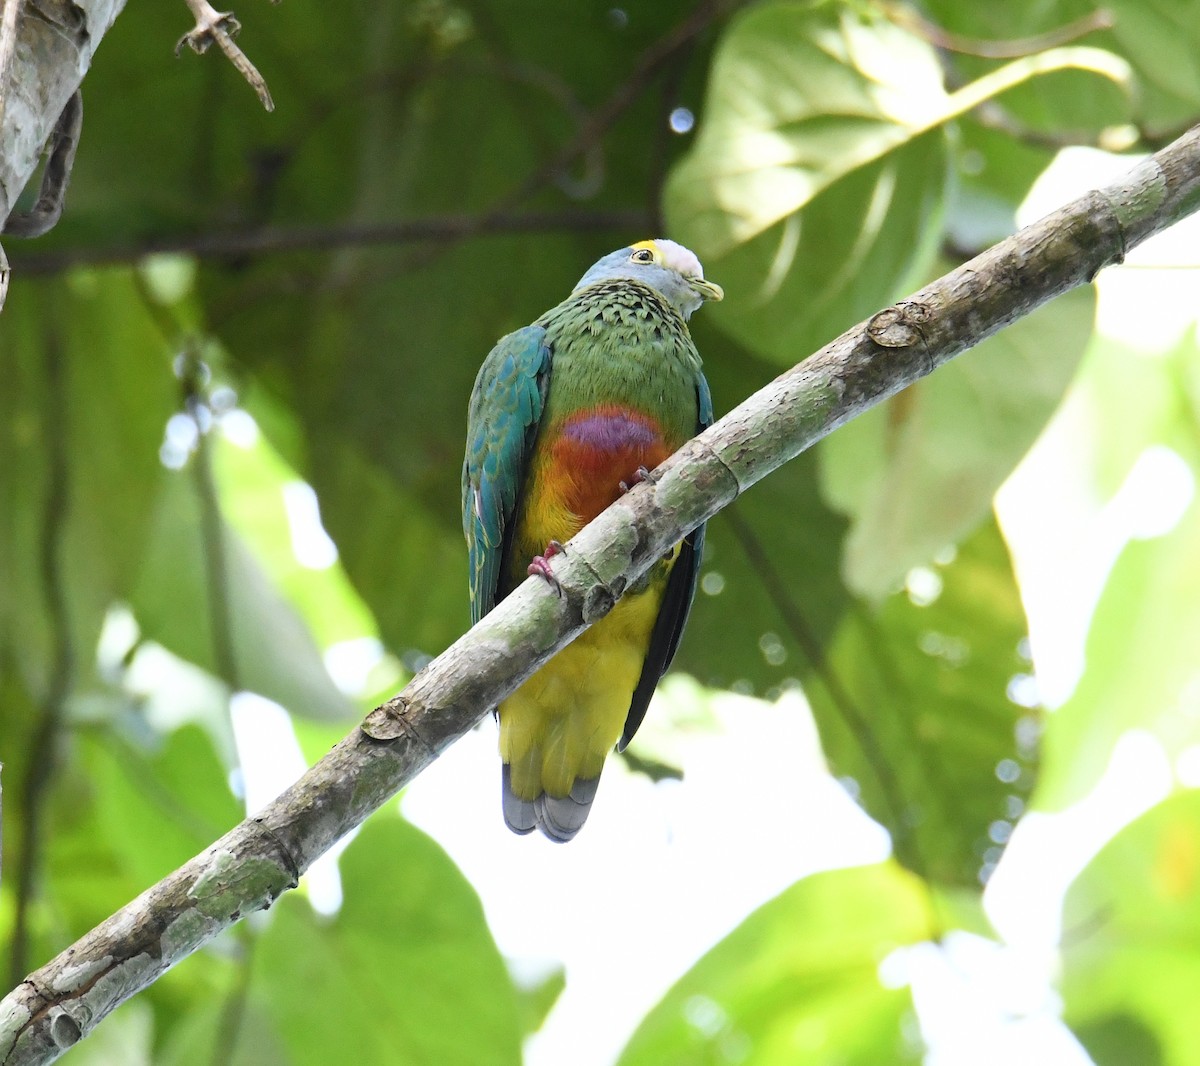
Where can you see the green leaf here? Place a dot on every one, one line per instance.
(797, 981)
(993, 174)
(1141, 664)
(919, 472)
(1070, 103)
(537, 1000)
(85, 385)
(252, 480)
(1132, 921)
(815, 189)
(274, 652)
(85, 390)
(815, 131)
(1160, 38)
(407, 971)
(1139, 657)
(770, 561)
(912, 704)
(158, 808)
(801, 95)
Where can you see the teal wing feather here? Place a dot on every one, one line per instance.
(676, 605)
(502, 421)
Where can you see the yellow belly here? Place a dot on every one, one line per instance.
(561, 724)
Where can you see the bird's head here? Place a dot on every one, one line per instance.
(667, 267)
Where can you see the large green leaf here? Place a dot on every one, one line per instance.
(815, 189)
(274, 653)
(919, 472)
(812, 189)
(158, 808)
(85, 387)
(85, 390)
(797, 981)
(913, 705)
(1130, 956)
(407, 968)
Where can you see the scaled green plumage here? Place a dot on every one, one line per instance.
(562, 413)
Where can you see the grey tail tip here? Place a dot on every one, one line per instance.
(558, 817)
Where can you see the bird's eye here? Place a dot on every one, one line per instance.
(643, 255)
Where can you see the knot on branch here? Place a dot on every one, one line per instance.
(899, 326)
(599, 600)
(65, 1031)
(391, 721)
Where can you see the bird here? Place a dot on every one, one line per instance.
(565, 416)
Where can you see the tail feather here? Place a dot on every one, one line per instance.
(561, 817)
(558, 817)
(519, 814)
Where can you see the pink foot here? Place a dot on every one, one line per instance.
(540, 565)
(639, 475)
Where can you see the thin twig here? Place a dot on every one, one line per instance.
(252, 864)
(274, 240)
(221, 27)
(44, 742)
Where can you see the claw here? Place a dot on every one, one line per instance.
(639, 475)
(540, 565)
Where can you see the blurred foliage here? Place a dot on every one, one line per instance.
(1131, 924)
(437, 174)
(799, 975)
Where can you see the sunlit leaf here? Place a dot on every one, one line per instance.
(1065, 100)
(797, 981)
(1131, 924)
(274, 653)
(1142, 670)
(919, 472)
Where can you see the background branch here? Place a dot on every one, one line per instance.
(249, 867)
(272, 239)
(44, 742)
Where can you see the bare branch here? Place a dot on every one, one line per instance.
(278, 239)
(250, 866)
(55, 51)
(45, 213)
(10, 11)
(221, 27)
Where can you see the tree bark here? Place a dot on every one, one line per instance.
(248, 868)
(55, 42)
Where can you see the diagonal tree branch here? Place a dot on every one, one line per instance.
(249, 867)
